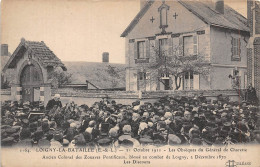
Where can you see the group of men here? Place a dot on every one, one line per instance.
(168, 121)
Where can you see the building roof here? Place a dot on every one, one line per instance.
(97, 74)
(203, 10)
(39, 51)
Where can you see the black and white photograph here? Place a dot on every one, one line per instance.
(130, 83)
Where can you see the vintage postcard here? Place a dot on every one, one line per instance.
(130, 83)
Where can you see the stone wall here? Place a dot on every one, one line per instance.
(90, 96)
(127, 97)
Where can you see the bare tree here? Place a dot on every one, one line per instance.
(111, 75)
(173, 63)
(60, 77)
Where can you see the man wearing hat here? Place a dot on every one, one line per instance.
(126, 138)
(55, 101)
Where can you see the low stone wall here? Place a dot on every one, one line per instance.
(148, 94)
(5, 94)
(125, 97)
(91, 96)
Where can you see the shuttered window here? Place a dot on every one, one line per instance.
(163, 45)
(188, 45)
(188, 83)
(195, 45)
(235, 49)
(141, 50)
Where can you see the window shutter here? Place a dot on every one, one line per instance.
(157, 49)
(232, 46)
(235, 46)
(195, 45)
(135, 50)
(151, 47)
(170, 46)
(196, 81)
(239, 47)
(181, 46)
(181, 84)
(147, 45)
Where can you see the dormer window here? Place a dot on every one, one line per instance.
(163, 10)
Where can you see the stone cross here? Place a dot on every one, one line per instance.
(152, 19)
(175, 15)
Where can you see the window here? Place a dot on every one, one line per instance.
(141, 49)
(142, 76)
(236, 49)
(163, 45)
(188, 45)
(147, 76)
(188, 81)
(164, 17)
(143, 81)
(163, 9)
(236, 80)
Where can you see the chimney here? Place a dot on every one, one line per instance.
(219, 6)
(105, 57)
(4, 50)
(142, 3)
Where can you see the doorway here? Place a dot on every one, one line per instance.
(31, 79)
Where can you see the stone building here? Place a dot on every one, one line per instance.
(212, 29)
(253, 15)
(32, 62)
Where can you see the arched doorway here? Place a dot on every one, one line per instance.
(31, 79)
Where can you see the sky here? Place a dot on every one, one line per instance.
(75, 30)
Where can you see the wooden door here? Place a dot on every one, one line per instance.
(166, 84)
(31, 78)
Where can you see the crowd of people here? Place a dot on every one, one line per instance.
(168, 121)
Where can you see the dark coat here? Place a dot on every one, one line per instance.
(52, 103)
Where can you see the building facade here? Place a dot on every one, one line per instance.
(213, 30)
(253, 14)
(32, 63)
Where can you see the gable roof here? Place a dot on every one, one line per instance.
(39, 51)
(206, 12)
(203, 10)
(97, 73)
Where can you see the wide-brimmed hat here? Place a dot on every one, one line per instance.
(145, 140)
(173, 139)
(57, 95)
(57, 136)
(104, 142)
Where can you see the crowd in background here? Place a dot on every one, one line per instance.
(168, 121)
